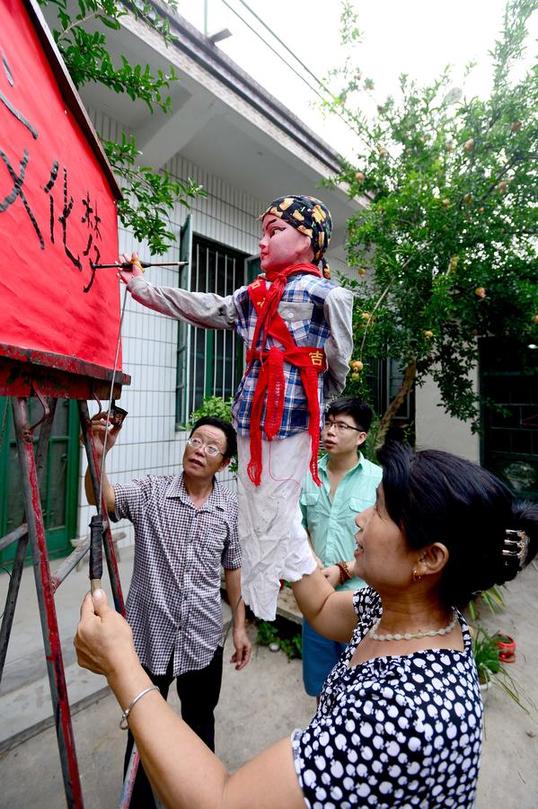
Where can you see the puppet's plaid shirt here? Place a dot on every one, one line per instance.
(317, 313)
(174, 605)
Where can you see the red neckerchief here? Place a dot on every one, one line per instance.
(271, 381)
(274, 296)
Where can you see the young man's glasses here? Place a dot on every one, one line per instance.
(341, 426)
(209, 449)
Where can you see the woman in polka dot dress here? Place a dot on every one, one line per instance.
(399, 722)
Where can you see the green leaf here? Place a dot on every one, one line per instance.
(452, 188)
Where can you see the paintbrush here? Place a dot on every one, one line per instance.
(126, 265)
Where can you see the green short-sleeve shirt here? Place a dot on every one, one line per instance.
(331, 524)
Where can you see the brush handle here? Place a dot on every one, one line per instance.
(96, 551)
(144, 264)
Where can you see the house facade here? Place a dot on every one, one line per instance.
(245, 148)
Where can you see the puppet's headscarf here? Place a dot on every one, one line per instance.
(309, 216)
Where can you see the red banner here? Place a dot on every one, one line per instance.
(57, 209)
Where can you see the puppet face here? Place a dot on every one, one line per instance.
(282, 245)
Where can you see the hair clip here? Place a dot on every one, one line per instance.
(516, 543)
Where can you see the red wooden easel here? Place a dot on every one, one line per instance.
(60, 325)
(21, 379)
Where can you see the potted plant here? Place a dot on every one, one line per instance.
(219, 408)
(493, 599)
(490, 667)
(507, 647)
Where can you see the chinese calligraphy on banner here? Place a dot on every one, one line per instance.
(57, 208)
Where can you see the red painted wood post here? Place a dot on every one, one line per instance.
(95, 469)
(47, 609)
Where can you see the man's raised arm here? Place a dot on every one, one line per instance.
(98, 430)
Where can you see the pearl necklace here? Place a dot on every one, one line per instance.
(428, 633)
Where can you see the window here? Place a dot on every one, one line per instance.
(509, 389)
(384, 378)
(210, 361)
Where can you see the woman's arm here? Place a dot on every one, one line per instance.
(330, 613)
(183, 771)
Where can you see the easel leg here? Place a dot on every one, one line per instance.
(113, 572)
(11, 599)
(18, 565)
(47, 610)
(129, 780)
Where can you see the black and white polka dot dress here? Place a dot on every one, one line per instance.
(398, 731)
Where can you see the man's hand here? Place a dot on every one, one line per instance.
(243, 648)
(135, 269)
(98, 427)
(98, 424)
(332, 574)
(104, 641)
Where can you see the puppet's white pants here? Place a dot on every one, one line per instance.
(274, 543)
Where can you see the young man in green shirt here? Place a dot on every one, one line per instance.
(348, 486)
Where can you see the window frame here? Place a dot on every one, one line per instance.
(190, 337)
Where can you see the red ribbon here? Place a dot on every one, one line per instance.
(271, 380)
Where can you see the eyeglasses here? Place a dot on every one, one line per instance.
(341, 426)
(209, 449)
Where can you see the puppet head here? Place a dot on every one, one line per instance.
(309, 216)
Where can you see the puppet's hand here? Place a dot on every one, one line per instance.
(135, 269)
(104, 641)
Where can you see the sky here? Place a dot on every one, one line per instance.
(418, 37)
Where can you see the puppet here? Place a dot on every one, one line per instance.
(296, 325)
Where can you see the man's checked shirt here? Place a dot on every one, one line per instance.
(317, 312)
(174, 606)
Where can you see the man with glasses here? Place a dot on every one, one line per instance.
(185, 531)
(348, 486)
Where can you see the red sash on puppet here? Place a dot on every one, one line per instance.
(309, 359)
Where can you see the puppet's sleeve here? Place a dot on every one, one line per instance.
(338, 309)
(205, 309)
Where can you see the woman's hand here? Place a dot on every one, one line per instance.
(104, 641)
(330, 613)
(134, 271)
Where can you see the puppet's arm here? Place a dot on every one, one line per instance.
(205, 309)
(338, 309)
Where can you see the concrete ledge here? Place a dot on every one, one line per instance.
(286, 605)
(26, 710)
(23, 735)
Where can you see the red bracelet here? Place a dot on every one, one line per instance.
(345, 575)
